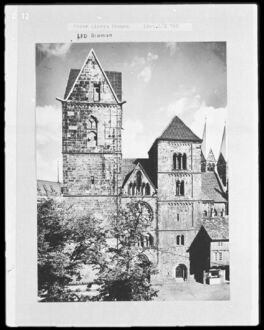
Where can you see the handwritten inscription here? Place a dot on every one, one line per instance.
(94, 35)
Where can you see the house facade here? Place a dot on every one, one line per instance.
(172, 184)
(209, 252)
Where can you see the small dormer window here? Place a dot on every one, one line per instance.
(96, 92)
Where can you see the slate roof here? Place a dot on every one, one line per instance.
(211, 188)
(114, 77)
(128, 165)
(48, 188)
(177, 130)
(216, 228)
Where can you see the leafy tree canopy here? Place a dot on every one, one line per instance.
(127, 272)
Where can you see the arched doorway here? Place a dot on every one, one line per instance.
(181, 272)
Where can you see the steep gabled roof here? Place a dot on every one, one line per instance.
(178, 131)
(211, 188)
(74, 78)
(217, 228)
(129, 164)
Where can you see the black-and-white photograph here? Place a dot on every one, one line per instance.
(132, 171)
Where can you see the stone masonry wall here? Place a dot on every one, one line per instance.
(167, 176)
(91, 174)
(176, 215)
(100, 207)
(171, 254)
(77, 127)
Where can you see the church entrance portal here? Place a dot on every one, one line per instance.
(181, 273)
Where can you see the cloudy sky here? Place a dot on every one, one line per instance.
(160, 80)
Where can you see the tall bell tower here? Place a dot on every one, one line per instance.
(91, 131)
(178, 166)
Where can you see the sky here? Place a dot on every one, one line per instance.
(159, 81)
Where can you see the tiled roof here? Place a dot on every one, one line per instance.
(211, 189)
(216, 228)
(177, 130)
(115, 79)
(128, 165)
(48, 188)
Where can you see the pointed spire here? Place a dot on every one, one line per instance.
(223, 144)
(203, 146)
(211, 157)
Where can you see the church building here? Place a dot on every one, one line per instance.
(179, 184)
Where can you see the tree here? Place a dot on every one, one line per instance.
(126, 271)
(66, 242)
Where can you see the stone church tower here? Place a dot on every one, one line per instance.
(91, 136)
(177, 155)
